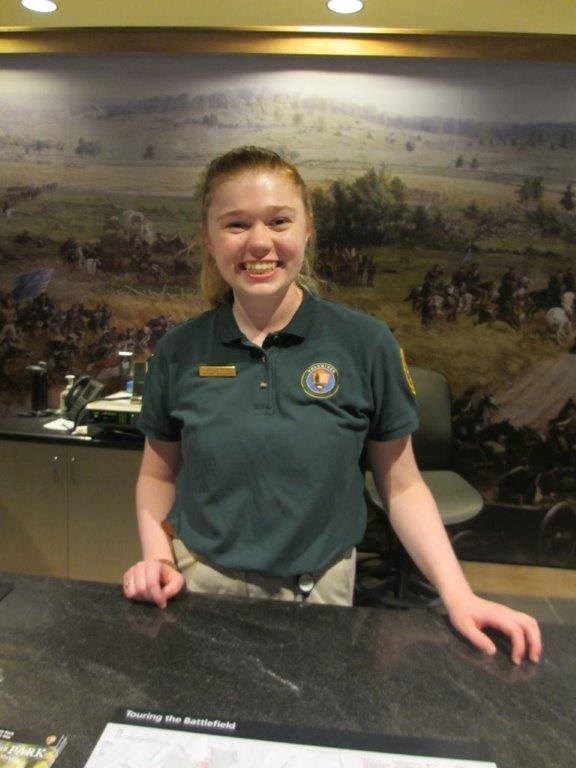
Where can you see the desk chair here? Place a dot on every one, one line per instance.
(399, 584)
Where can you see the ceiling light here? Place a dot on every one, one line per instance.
(345, 6)
(40, 6)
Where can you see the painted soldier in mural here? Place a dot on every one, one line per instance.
(505, 301)
(555, 289)
(426, 297)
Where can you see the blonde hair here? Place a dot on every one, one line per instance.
(213, 286)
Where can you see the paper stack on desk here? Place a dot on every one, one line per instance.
(60, 425)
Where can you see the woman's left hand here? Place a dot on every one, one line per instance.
(415, 518)
(472, 614)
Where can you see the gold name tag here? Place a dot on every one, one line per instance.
(224, 371)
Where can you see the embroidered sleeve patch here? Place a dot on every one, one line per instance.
(407, 376)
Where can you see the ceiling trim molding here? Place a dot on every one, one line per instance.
(291, 41)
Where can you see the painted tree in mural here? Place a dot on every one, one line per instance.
(372, 211)
(85, 147)
(366, 212)
(378, 207)
(341, 235)
(531, 190)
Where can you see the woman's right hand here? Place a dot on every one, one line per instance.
(153, 581)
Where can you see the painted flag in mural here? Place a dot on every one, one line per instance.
(31, 284)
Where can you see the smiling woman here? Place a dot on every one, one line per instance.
(258, 415)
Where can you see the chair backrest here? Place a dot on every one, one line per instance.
(433, 439)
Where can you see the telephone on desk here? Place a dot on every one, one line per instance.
(84, 391)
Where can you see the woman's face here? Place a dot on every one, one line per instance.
(256, 232)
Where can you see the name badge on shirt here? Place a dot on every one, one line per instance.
(217, 371)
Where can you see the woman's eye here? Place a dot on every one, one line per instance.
(236, 226)
(281, 221)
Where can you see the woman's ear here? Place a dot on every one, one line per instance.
(207, 244)
(309, 228)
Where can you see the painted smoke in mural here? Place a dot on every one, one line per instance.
(444, 203)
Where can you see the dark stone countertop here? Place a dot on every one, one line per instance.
(72, 652)
(30, 428)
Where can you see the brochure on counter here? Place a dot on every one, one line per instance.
(146, 739)
(27, 749)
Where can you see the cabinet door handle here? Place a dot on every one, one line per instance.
(57, 465)
(73, 469)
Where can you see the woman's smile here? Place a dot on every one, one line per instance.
(260, 269)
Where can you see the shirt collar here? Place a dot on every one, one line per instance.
(298, 327)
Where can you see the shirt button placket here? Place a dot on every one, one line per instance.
(263, 396)
(269, 378)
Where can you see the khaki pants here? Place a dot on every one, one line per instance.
(334, 585)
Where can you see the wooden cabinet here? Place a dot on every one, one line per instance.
(67, 510)
(102, 531)
(33, 508)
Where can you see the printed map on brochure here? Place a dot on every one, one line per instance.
(144, 746)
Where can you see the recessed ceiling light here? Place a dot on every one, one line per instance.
(40, 6)
(345, 6)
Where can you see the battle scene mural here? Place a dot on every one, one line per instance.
(445, 203)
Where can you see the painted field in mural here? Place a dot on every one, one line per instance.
(444, 203)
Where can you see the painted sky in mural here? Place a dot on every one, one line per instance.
(509, 91)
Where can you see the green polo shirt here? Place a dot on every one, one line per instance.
(272, 436)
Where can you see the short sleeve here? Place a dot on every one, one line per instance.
(155, 419)
(394, 397)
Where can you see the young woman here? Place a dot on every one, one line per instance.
(257, 413)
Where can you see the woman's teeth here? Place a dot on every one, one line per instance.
(260, 267)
